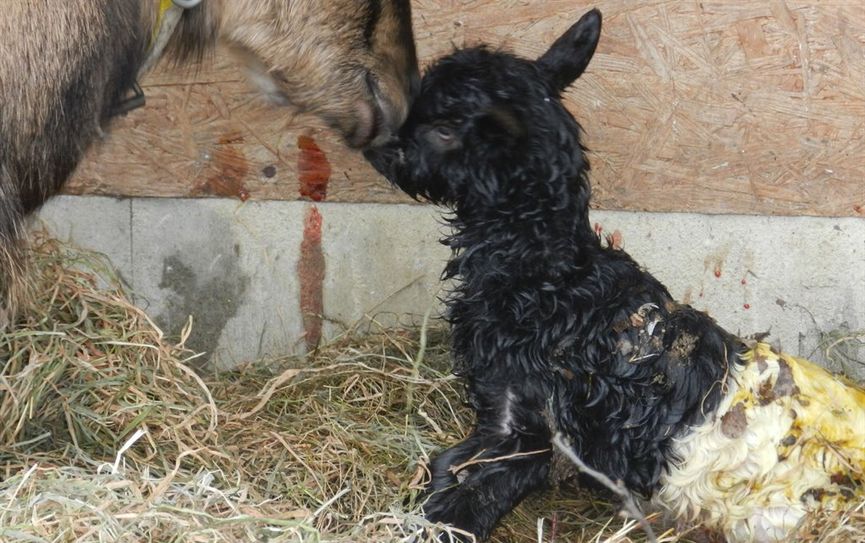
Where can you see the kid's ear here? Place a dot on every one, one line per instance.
(568, 57)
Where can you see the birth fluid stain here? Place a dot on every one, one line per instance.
(858, 209)
(842, 479)
(231, 137)
(716, 261)
(313, 169)
(229, 168)
(213, 297)
(310, 272)
(761, 363)
(785, 384)
(734, 423)
(744, 281)
(688, 297)
(747, 306)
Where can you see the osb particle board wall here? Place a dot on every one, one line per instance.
(717, 107)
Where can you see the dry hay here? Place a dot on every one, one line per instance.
(109, 436)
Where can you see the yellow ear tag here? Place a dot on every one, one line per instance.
(164, 6)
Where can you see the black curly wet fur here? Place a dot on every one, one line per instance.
(552, 330)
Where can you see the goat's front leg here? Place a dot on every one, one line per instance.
(478, 481)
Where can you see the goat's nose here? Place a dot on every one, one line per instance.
(367, 117)
(379, 118)
(391, 110)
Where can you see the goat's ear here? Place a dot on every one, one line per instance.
(568, 57)
(501, 123)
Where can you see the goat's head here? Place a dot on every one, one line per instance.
(489, 127)
(351, 62)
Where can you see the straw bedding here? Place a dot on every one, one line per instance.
(108, 434)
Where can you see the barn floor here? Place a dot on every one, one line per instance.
(110, 435)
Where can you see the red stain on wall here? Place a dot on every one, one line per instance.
(229, 166)
(313, 169)
(310, 274)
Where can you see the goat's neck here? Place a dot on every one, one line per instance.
(197, 31)
(522, 239)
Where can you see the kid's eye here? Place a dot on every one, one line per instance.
(445, 133)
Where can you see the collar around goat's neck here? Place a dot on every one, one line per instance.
(168, 16)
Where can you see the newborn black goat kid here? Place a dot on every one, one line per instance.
(555, 332)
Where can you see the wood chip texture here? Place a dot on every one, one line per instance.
(712, 107)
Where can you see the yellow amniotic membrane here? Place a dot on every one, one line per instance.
(787, 438)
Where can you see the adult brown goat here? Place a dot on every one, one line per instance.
(65, 67)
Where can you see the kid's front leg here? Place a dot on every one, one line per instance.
(480, 480)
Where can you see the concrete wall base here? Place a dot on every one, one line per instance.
(243, 269)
